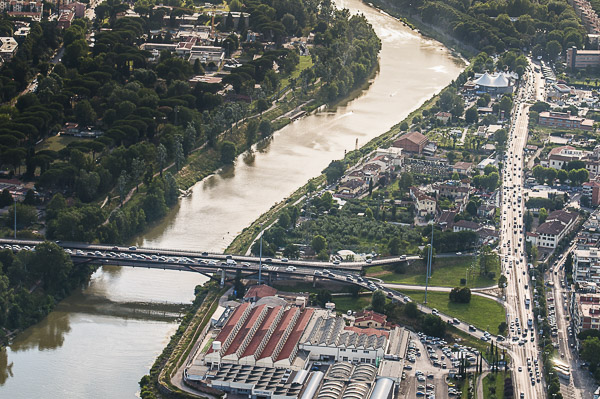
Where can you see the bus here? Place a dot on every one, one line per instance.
(527, 302)
(562, 370)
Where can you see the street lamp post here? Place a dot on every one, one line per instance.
(429, 261)
(15, 217)
(260, 261)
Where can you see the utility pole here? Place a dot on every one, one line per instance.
(15, 217)
(260, 261)
(429, 261)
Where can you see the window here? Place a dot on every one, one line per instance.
(345, 358)
(367, 352)
(354, 351)
(342, 350)
(362, 359)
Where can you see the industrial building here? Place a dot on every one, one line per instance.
(284, 351)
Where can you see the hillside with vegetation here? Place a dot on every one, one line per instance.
(546, 27)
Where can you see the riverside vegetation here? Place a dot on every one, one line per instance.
(110, 188)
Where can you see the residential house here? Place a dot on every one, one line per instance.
(558, 224)
(65, 19)
(8, 48)
(452, 190)
(465, 225)
(486, 211)
(462, 168)
(352, 188)
(370, 319)
(413, 142)
(424, 204)
(446, 219)
(443, 116)
(559, 156)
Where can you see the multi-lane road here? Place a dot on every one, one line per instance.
(528, 377)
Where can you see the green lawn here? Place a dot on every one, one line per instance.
(493, 386)
(345, 303)
(483, 313)
(57, 143)
(305, 62)
(446, 272)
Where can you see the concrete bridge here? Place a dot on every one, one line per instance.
(210, 264)
(207, 263)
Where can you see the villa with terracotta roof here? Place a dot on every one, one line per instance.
(369, 318)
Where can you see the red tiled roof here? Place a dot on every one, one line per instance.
(262, 331)
(370, 315)
(245, 330)
(279, 330)
(233, 319)
(260, 291)
(295, 335)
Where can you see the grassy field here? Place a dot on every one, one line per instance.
(57, 143)
(305, 62)
(483, 313)
(493, 386)
(345, 303)
(447, 272)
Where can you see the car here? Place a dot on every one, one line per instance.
(369, 260)
(520, 368)
(459, 253)
(336, 262)
(133, 248)
(284, 259)
(407, 367)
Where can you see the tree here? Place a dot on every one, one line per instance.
(553, 48)
(323, 296)
(291, 251)
(563, 176)
(472, 208)
(406, 181)
(138, 166)
(228, 152)
(326, 200)
(528, 221)
(262, 105)
(434, 325)
(84, 113)
(238, 286)
(411, 310)
(460, 295)
(378, 301)
(284, 220)
(26, 216)
(334, 171)
(251, 129)
(265, 128)
(29, 198)
(471, 115)
(394, 245)
(161, 157)
(178, 153)
(543, 215)
(122, 185)
(590, 351)
(501, 136)
(425, 254)
(319, 243)
(502, 327)
(487, 259)
(5, 198)
(502, 280)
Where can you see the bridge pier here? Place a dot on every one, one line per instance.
(222, 277)
(314, 281)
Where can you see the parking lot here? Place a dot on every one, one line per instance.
(429, 363)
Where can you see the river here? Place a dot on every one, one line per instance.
(99, 342)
